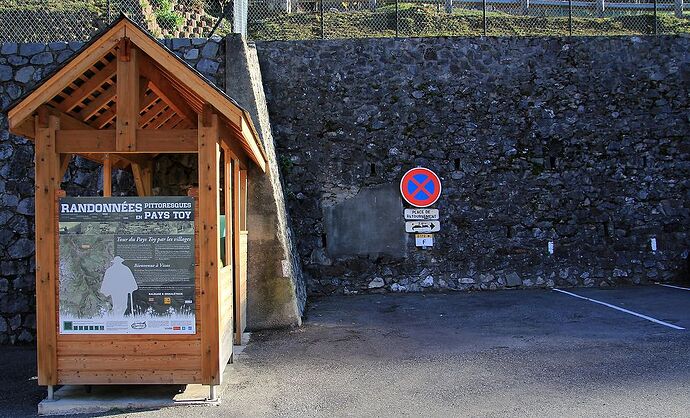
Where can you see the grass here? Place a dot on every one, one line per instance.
(427, 20)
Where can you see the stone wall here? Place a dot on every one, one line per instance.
(579, 141)
(22, 66)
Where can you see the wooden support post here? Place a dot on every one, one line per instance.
(244, 199)
(227, 186)
(127, 97)
(209, 248)
(47, 184)
(236, 257)
(107, 176)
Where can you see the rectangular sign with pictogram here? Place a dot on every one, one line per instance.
(422, 227)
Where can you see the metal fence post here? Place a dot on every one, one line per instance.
(570, 17)
(397, 18)
(107, 5)
(524, 7)
(678, 8)
(449, 6)
(323, 26)
(656, 29)
(600, 8)
(484, 15)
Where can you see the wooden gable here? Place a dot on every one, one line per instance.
(126, 94)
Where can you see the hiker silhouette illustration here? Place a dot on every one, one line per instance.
(119, 283)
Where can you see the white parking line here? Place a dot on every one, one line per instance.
(675, 287)
(618, 308)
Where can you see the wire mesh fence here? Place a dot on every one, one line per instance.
(78, 20)
(60, 20)
(314, 19)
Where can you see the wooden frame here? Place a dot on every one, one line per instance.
(122, 101)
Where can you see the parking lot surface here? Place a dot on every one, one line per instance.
(508, 353)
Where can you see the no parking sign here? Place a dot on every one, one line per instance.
(420, 187)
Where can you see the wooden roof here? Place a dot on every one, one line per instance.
(171, 95)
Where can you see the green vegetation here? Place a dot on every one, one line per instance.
(167, 17)
(426, 20)
(53, 5)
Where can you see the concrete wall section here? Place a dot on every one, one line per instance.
(578, 141)
(276, 289)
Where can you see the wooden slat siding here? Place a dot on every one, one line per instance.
(123, 362)
(236, 256)
(91, 141)
(97, 104)
(142, 377)
(107, 176)
(243, 282)
(152, 113)
(188, 345)
(54, 85)
(226, 287)
(244, 184)
(209, 251)
(46, 177)
(88, 88)
(127, 97)
(105, 118)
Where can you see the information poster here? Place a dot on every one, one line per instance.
(126, 265)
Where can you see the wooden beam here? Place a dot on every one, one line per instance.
(257, 152)
(65, 159)
(228, 141)
(76, 67)
(143, 178)
(149, 141)
(97, 104)
(47, 184)
(165, 90)
(88, 88)
(209, 249)
(127, 97)
(107, 176)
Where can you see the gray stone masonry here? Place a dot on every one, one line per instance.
(22, 66)
(580, 141)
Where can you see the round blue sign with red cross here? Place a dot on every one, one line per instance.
(421, 187)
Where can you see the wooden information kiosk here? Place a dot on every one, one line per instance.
(121, 101)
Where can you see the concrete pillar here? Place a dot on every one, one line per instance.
(678, 8)
(276, 292)
(239, 17)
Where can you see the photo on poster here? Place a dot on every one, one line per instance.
(126, 265)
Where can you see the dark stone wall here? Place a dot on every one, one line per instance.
(22, 67)
(580, 141)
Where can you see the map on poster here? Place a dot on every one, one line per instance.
(126, 265)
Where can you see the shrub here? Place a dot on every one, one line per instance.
(166, 16)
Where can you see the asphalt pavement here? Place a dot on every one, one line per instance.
(589, 352)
